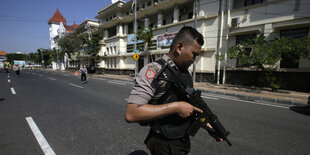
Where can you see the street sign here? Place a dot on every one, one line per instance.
(136, 51)
(136, 56)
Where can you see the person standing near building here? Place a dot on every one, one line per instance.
(156, 102)
(83, 72)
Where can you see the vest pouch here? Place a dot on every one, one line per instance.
(175, 127)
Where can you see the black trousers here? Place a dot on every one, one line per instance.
(83, 77)
(161, 145)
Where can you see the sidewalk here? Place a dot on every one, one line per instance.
(244, 93)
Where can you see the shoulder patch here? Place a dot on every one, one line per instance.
(153, 67)
(150, 74)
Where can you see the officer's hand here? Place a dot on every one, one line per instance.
(213, 134)
(185, 109)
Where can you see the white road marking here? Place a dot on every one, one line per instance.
(99, 78)
(265, 104)
(46, 148)
(9, 81)
(52, 78)
(13, 91)
(75, 85)
(33, 73)
(209, 97)
(116, 82)
(41, 75)
(126, 99)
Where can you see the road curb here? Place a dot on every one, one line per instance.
(255, 98)
(239, 96)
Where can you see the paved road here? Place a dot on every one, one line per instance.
(76, 118)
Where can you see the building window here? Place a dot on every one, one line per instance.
(190, 15)
(289, 60)
(151, 58)
(252, 2)
(107, 62)
(164, 21)
(114, 65)
(149, 3)
(239, 40)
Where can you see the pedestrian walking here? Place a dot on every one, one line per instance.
(16, 68)
(83, 72)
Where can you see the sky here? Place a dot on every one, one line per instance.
(24, 23)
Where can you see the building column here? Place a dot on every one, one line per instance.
(176, 14)
(106, 34)
(268, 29)
(119, 30)
(146, 23)
(160, 19)
(126, 29)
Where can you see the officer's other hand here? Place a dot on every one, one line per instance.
(213, 134)
(185, 109)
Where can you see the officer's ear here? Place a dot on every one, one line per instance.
(179, 47)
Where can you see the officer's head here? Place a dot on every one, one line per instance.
(185, 47)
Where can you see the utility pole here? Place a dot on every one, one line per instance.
(42, 58)
(135, 31)
(226, 14)
(220, 40)
(195, 25)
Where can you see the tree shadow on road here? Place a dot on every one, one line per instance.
(301, 109)
(138, 152)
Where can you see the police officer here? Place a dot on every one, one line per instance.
(158, 104)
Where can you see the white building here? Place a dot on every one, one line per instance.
(223, 23)
(59, 28)
(90, 28)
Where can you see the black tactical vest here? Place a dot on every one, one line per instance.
(172, 126)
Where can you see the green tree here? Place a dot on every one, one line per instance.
(263, 55)
(92, 45)
(34, 57)
(15, 56)
(70, 43)
(48, 56)
(146, 35)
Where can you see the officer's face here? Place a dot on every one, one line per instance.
(187, 54)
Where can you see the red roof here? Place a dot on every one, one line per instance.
(2, 53)
(57, 17)
(75, 25)
(71, 28)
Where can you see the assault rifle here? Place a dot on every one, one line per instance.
(194, 97)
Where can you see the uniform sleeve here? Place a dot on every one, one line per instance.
(144, 89)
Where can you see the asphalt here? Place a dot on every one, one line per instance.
(242, 92)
